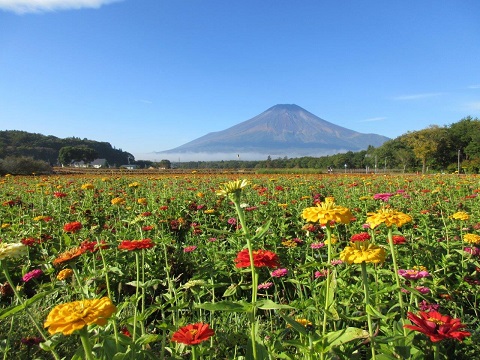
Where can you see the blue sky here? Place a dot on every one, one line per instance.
(151, 75)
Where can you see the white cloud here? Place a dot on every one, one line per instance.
(474, 87)
(473, 106)
(417, 96)
(26, 6)
(380, 118)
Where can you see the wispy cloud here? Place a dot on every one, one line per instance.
(417, 96)
(146, 101)
(380, 118)
(472, 106)
(474, 87)
(28, 6)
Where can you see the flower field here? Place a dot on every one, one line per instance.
(251, 267)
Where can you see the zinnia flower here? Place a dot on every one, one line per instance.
(32, 275)
(12, 250)
(279, 273)
(326, 212)
(399, 239)
(460, 215)
(117, 201)
(136, 244)
(72, 227)
(190, 248)
(68, 317)
(360, 237)
(64, 274)
(193, 334)
(232, 187)
(359, 252)
(261, 258)
(265, 286)
(413, 274)
(87, 187)
(437, 326)
(388, 217)
(68, 255)
(134, 184)
(384, 197)
(472, 238)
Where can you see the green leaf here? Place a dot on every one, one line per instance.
(11, 311)
(148, 338)
(261, 230)
(343, 336)
(374, 312)
(268, 304)
(233, 306)
(231, 290)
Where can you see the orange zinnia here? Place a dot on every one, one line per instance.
(261, 258)
(68, 255)
(193, 334)
(72, 227)
(136, 244)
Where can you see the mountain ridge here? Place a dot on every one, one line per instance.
(282, 130)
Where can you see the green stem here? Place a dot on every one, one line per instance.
(107, 282)
(367, 305)
(194, 352)
(137, 263)
(4, 267)
(87, 347)
(397, 277)
(327, 283)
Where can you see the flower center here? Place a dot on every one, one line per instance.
(193, 332)
(436, 321)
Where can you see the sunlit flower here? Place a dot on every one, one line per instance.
(399, 239)
(384, 196)
(289, 243)
(193, 334)
(317, 245)
(134, 184)
(424, 306)
(72, 227)
(437, 326)
(327, 212)
(64, 274)
(136, 244)
(413, 274)
(68, 317)
(59, 194)
(358, 252)
(261, 258)
(389, 217)
(301, 321)
(321, 273)
(68, 255)
(472, 238)
(142, 201)
(232, 187)
(87, 187)
(363, 236)
(93, 246)
(460, 215)
(117, 201)
(32, 275)
(12, 250)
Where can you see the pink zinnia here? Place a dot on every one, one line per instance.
(384, 196)
(190, 248)
(264, 286)
(32, 275)
(413, 274)
(317, 245)
(279, 272)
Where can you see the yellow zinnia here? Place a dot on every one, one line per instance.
(388, 217)
(118, 201)
(460, 215)
(68, 317)
(232, 187)
(87, 187)
(64, 274)
(326, 212)
(358, 252)
(472, 238)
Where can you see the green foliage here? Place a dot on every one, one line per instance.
(23, 166)
(47, 148)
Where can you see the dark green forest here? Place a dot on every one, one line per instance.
(14, 143)
(434, 149)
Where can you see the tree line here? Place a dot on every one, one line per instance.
(435, 148)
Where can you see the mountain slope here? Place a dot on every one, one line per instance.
(283, 130)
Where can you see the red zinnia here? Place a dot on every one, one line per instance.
(73, 227)
(93, 246)
(398, 239)
(437, 326)
(136, 244)
(261, 258)
(193, 334)
(360, 237)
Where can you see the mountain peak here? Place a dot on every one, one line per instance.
(282, 130)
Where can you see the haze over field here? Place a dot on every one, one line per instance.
(153, 75)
